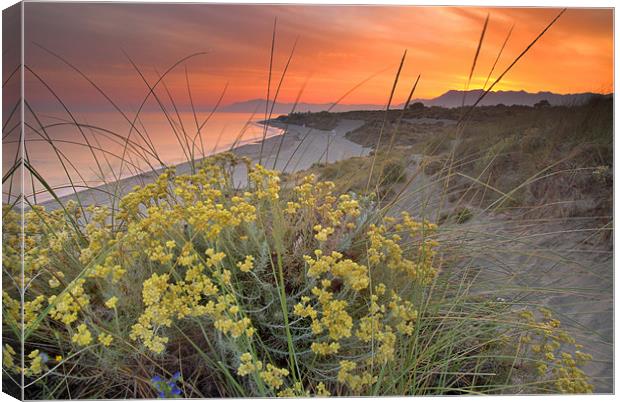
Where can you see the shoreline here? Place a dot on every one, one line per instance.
(299, 148)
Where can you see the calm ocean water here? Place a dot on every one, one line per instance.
(69, 153)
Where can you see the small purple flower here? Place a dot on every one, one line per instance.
(167, 388)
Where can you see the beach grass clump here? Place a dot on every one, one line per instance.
(541, 157)
(352, 174)
(196, 287)
(459, 216)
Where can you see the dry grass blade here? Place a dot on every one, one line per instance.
(273, 45)
(301, 90)
(146, 98)
(519, 57)
(198, 130)
(98, 89)
(11, 75)
(473, 65)
(401, 115)
(499, 54)
(387, 109)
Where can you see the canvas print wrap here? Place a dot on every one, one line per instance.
(232, 200)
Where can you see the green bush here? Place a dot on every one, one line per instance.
(198, 289)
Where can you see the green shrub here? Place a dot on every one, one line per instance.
(199, 289)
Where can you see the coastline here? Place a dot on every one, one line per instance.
(296, 149)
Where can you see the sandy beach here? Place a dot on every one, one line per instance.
(299, 148)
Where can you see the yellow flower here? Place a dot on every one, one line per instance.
(322, 232)
(171, 244)
(67, 306)
(353, 274)
(321, 390)
(292, 207)
(248, 366)
(7, 356)
(37, 363)
(246, 265)
(354, 381)
(105, 339)
(214, 258)
(295, 391)
(324, 348)
(111, 303)
(267, 182)
(83, 336)
(274, 376)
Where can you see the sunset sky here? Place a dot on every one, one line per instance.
(337, 48)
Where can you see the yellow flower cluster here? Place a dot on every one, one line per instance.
(297, 390)
(198, 200)
(325, 348)
(97, 233)
(108, 270)
(266, 182)
(8, 356)
(12, 309)
(247, 264)
(354, 381)
(248, 366)
(334, 213)
(381, 320)
(45, 235)
(334, 316)
(321, 390)
(189, 241)
(322, 233)
(385, 317)
(165, 301)
(111, 302)
(32, 309)
(353, 274)
(105, 339)
(385, 248)
(83, 336)
(36, 363)
(273, 376)
(545, 339)
(54, 281)
(404, 312)
(67, 305)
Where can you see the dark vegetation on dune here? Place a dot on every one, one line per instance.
(515, 156)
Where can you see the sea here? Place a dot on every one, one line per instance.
(64, 155)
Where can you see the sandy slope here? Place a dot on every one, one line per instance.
(561, 264)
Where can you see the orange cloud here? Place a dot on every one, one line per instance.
(338, 47)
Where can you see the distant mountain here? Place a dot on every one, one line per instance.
(449, 99)
(258, 106)
(455, 98)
